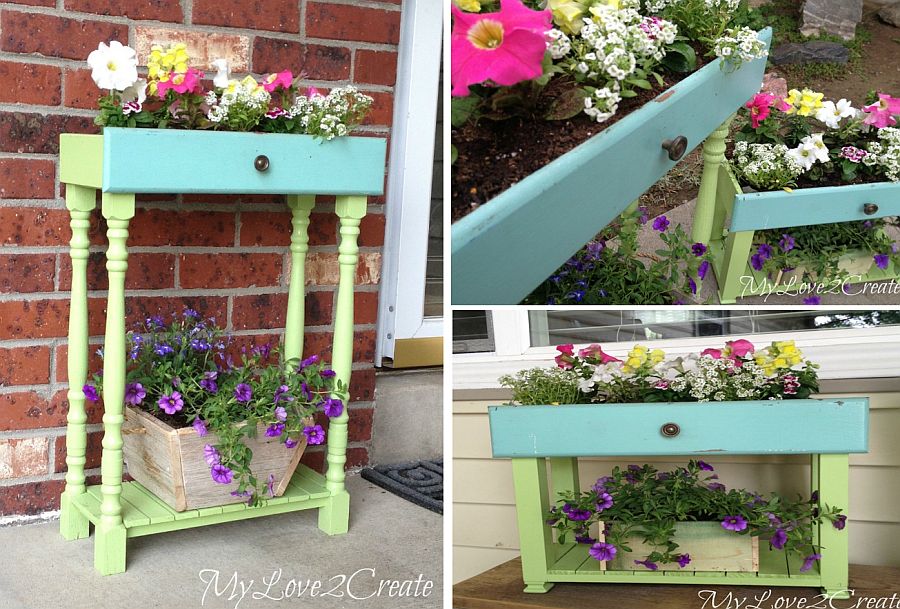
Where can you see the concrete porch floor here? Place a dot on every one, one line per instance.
(395, 538)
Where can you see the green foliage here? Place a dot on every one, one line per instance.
(647, 504)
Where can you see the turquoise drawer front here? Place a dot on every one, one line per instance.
(504, 249)
(781, 209)
(759, 427)
(168, 160)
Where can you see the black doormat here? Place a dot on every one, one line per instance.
(421, 482)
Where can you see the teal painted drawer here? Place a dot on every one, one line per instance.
(179, 161)
(782, 209)
(751, 427)
(505, 248)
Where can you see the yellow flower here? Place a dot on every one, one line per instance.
(780, 362)
(470, 6)
(568, 15)
(162, 61)
(633, 362)
(657, 355)
(250, 83)
(809, 102)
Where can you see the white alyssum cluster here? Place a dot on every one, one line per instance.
(766, 166)
(708, 379)
(738, 45)
(612, 45)
(558, 43)
(885, 153)
(657, 6)
(246, 95)
(330, 116)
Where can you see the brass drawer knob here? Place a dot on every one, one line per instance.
(676, 148)
(261, 162)
(870, 208)
(670, 430)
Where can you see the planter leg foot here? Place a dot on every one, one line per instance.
(334, 517)
(72, 523)
(538, 588)
(109, 549)
(838, 593)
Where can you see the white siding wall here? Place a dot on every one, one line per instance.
(484, 518)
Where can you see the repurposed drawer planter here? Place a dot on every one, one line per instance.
(121, 163)
(170, 462)
(509, 245)
(828, 430)
(711, 549)
(750, 212)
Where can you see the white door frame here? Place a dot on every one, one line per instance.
(407, 209)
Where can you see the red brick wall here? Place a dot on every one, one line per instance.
(225, 256)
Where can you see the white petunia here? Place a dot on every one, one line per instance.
(832, 113)
(136, 92)
(113, 67)
(817, 147)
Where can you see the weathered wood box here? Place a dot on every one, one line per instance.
(170, 462)
(710, 547)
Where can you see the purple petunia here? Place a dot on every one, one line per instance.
(840, 522)
(602, 551)
(221, 474)
(327, 373)
(576, 295)
(200, 427)
(584, 539)
(309, 361)
(595, 249)
(604, 502)
(757, 262)
(304, 389)
(600, 484)
(282, 394)
(808, 562)
(190, 314)
(813, 300)
(765, 250)
(208, 382)
(734, 523)
(703, 269)
(715, 486)
(787, 243)
(134, 394)
(698, 249)
(647, 563)
(270, 485)
(290, 443)
(573, 513)
(882, 261)
(779, 539)
(200, 345)
(163, 349)
(211, 455)
(314, 434)
(281, 413)
(660, 224)
(693, 285)
(683, 560)
(773, 519)
(274, 430)
(243, 392)
(703, 465)
(333, 407)
(90, 392)
(171, 403)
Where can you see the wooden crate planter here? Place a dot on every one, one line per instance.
(737, 215)
(505, 248)
(170, 462)
(123, 162)
(532, 436)
(711, 549)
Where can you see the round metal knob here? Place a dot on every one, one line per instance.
(870, 208)
(676, 148)
(670, 430)
(261, 162)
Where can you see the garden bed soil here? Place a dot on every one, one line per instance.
(494, 155)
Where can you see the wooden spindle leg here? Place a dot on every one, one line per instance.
(834, 490)
(704, 212)
(334, 517)
(535, 536)
(109, 547)
(300, 206)
(80, 201)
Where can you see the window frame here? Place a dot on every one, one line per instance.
(842, 353)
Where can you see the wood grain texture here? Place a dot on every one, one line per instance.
(498, 257)
(501, 588)
(805, 426)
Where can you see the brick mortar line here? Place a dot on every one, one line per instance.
(187, 10)
(44, 432)
(187, 249)
(164, 292)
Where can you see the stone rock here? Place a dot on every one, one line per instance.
(774, 84)
(836, 17)
(815, 51)
(890, 14)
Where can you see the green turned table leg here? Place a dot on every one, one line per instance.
(834, 490)
(109, 547)
(80, 201)
(334, 517)
(535, 538)
(563, 479)
(300, 207)
(734, 266)
(713, 155)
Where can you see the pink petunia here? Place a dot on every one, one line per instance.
(713, 353)
(881, 114)
(187, 82)
(741, 347)
(281, 79)
(596, 351)
(564, 359)
(505, 47)
(760, 106)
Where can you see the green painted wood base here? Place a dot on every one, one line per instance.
(334, 516)
(72, 523)
(539, 588)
